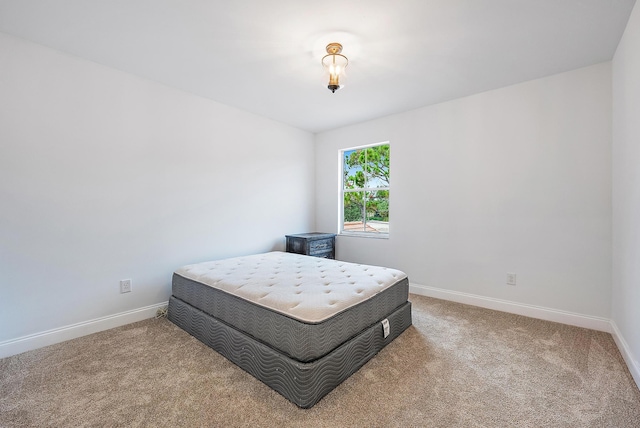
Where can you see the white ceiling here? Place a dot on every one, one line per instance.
(263, 56)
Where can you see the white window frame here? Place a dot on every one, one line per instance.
(341, 231)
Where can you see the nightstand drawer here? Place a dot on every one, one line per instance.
(324, 255)
(321, 245)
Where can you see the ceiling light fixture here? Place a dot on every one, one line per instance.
(334, 63)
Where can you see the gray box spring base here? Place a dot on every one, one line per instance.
(303, 383)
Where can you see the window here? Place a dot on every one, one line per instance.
(365, 190)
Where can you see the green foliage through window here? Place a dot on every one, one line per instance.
(366, 189)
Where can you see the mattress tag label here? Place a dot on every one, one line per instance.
(385, 327)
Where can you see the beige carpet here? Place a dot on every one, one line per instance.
(457, 366)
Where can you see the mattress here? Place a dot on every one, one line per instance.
(303, 307)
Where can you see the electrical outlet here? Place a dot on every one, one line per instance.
(125, 286)
(511, 279)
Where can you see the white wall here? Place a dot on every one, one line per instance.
(106, 176)
(513, 180)
(626, 193)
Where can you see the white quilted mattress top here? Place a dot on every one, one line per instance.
(309, 289)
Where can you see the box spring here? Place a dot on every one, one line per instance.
(303, 383)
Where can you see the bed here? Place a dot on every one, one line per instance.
(300, 324)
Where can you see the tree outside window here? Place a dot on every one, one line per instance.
(365, 190)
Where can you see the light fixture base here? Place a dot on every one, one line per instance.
(334, 48)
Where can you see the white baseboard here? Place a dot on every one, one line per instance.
(57, 335)
(586, 321)
(633, 365)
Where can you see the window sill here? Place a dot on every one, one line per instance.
(365, 235)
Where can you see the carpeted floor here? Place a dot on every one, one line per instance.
(457, 366)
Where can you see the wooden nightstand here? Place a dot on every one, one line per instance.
(313, 244)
